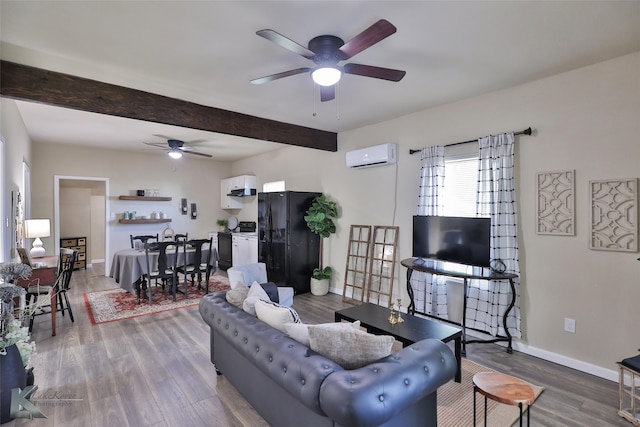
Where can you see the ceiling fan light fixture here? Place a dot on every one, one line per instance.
(175, 153)
(326, 76)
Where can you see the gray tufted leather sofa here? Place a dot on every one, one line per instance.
(290, 385)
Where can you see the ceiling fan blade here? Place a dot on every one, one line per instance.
(156, 144)
(277, 76)
(327, 93)
(372, 35)
(375, 72)
(286, 43)
(196, 153)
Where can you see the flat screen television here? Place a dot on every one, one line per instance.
(455, 239)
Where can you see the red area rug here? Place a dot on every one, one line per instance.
(117, 304)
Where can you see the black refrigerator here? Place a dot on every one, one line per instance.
(285, 244)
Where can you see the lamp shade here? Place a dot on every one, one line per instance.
(37, 228)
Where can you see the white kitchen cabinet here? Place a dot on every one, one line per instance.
(244, 249)
(228, 202)
(227, 185)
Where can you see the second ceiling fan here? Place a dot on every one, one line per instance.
(326, 51)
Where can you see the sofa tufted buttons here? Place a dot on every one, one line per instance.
(270, 358)
(406, 381)
(284, 369)
(381, 398)
(257, 349)
(375, 370)
(226, 326)
(303, 382)
(246, 340)
(235, 333)
(426, 369)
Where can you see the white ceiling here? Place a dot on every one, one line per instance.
(207, 52)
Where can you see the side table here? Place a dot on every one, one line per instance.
(502, 388)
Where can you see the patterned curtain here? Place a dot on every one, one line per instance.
(430, 292)
(488, 300)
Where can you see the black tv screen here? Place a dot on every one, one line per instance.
(455, 239)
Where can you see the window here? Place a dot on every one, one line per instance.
(270, 187)
(460, 185)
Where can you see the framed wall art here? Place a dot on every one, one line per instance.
(555, 203)
(614, 215)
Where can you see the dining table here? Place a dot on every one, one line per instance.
(129, 265)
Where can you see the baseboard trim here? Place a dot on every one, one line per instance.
(569, 362)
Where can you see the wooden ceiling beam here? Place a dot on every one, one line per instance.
(28, 83)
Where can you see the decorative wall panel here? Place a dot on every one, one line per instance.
(555, 202)
(614, 215)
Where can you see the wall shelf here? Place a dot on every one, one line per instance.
(143, 221)
(146, 198)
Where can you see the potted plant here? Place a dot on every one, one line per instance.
(222, 224)
(319, 218)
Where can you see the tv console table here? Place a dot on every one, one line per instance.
(480, 273)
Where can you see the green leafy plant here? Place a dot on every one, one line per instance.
(319, 218)
(319, 274)
(222, 222)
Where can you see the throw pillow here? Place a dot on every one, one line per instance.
(256, 293)
(276, 315)
(237, 295)
(350, 349)
(272, 290)
(300, 332)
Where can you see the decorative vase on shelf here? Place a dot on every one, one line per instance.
(13, 376)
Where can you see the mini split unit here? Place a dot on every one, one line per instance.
(377, 155)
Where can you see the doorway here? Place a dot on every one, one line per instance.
(80, 210)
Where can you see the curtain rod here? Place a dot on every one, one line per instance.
(527, 131)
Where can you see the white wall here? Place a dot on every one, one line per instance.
(17, 150)
(197, 180)
(587, 120)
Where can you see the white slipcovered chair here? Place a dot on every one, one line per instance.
(249, 273)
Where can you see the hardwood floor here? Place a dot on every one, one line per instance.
(155, 371)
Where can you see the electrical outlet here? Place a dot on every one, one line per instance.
(570, 325)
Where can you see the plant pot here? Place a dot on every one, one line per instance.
(319, 287)
(13, 376)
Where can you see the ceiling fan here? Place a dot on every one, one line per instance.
(177, 147)
(326, 51)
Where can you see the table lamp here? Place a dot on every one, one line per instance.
(37, 228)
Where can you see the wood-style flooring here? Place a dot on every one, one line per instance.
(155, 371)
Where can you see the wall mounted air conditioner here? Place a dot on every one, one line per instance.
(377, 155)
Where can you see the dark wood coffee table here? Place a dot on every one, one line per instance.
(374, 319)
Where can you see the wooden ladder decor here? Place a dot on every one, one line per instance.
(382, 265)
(355, 275)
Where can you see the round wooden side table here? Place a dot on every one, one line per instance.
(504, 389)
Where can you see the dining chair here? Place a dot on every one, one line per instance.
(66, 262)
(181, 237)
(144, 239)
(200, 265)
(161, 271)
